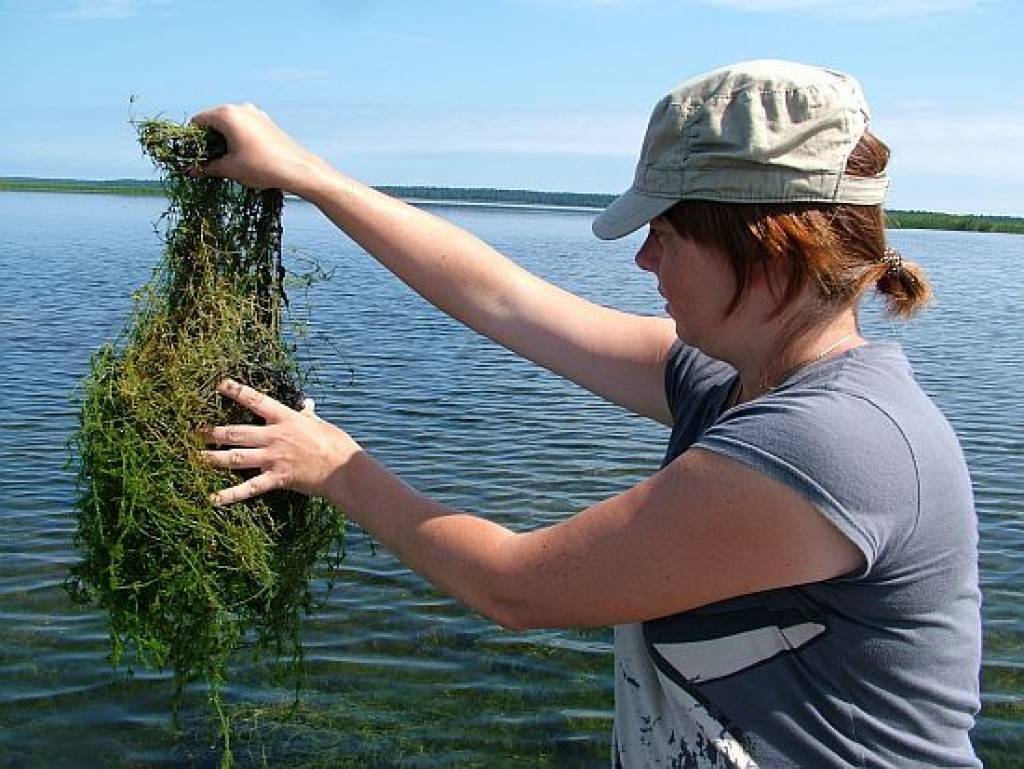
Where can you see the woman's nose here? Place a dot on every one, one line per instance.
(647, 257)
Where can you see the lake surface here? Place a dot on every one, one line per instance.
(400, 675)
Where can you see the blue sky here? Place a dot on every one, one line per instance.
(539, 94)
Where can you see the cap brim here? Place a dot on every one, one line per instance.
(628, 213)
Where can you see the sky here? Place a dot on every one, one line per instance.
(527, 94)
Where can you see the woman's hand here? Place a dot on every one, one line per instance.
(294, 450)
(260, 154)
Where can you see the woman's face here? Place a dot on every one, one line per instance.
(697, 283)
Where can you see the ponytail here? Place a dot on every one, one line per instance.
(903, 284)
(840, 249)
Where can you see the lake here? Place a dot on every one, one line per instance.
(399, 675)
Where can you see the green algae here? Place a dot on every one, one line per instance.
(185, 584)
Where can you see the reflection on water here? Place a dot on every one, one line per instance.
(398, 674)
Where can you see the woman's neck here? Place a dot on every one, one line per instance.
(764, 367)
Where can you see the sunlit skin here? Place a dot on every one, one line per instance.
(698, 286)
(654, 550)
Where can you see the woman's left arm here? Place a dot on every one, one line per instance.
(703, 529)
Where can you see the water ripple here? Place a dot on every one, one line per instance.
(394, 668)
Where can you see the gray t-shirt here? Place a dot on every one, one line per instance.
(874, 669)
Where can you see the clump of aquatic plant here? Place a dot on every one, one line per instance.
(184, 583)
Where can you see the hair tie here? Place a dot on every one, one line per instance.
(893, 261)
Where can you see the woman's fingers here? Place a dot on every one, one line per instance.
(235, 459)
(206, 117)
(211, 168)
(250, 444)
(295, 449)
(253, 487)
(258, 403)
(211, 118)
(260, 154)
(237, 435)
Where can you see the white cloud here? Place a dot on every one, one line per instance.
(105, 10)
(943, 158)
(952, 142)
(918, 105)
(604, 133)
(867, 9)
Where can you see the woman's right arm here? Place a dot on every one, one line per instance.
(616, 355)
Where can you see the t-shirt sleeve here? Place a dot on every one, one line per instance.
(689, 374)
(842, 452)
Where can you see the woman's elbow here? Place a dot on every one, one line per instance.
(511, 621)
(507, 603)
(512, 596)
(508, 612)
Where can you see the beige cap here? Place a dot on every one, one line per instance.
(753, 132)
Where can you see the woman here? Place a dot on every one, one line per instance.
(797, 586)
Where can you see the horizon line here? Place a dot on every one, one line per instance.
(606, 198)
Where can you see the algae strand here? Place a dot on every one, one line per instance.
(185, 584)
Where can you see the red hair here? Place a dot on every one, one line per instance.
(839, 249)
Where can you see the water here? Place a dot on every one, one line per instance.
(400, 675)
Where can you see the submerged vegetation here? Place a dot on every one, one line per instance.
(185, 584)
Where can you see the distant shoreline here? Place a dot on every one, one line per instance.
(525, 199)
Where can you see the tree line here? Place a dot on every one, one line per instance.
(897, 219)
